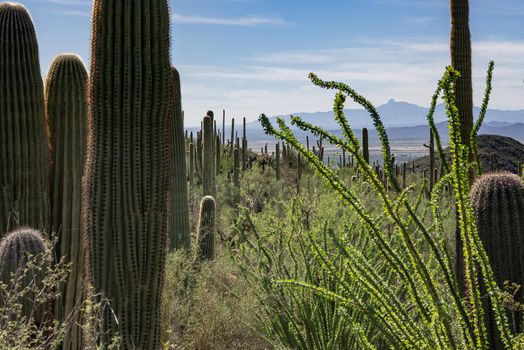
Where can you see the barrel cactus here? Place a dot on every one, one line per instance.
(16, 251)
(24, 190)
(207, 229)
(66, 108)
(179, 223)
(498, 201)
(128, 167)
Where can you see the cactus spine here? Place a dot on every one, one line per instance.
(365, 144)
(66, 106)
(16, 248)
(128, 166)
(24, 190)
(207, 229)
(179, 230)
(498, 201)
(208, 158)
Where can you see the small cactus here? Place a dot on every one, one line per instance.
(207, 229)
(498, 201)
(365, 144)
(16, 248)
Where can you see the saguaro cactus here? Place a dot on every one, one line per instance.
(24, 166)
(365, 144)
(66, 108)
(179, 223)
(191, 164)
(208, 161)
(128, 166)
(207, 229)
(16, 248)
(217, 156)
(277, 161)
(236, 174)
(498, 200)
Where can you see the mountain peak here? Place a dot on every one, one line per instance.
(391, 101)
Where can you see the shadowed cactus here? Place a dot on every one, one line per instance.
(498, 200)
(365, 144)
(18, 273)
(191, 164)
(208, 158)
(24, 187)
(207, 229)
(128, 169)
(179, 223)
(66, 108)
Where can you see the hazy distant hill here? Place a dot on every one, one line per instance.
(395, 114)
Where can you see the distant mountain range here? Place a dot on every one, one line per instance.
(404, 122)
(401, 114)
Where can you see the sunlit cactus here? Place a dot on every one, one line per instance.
(23, 265)
(66, 108)
(179, 218)
(24, 164)
(127, 189)
(498, 200)
(207, 229)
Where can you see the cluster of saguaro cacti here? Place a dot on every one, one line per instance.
(498, 201)
(24, 166)
(66, 108)
(179, 223)
(128, 166)
(206, 232)
(20, 276)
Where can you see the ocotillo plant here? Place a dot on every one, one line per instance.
(365, 144)
(277, 160)
(66, 108)
(127, 188)
(24, 194)
(498, 200)
(206, 229)
(236, 174)
(208, 158)
(179, 218)
(432, 179)
(16, 249)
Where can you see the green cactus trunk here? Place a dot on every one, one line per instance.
(191, 164)
(498, 200)
(217, 156)
(207, 229)
(66, 105)
(16, 248)
(128, 168)
(365, 144)
(208, 161)
(24, 166)
(179, 224)
(199, 158)
(277, 160)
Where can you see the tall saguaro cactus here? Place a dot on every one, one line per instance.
(207, 229)
(498, 200)
(66, 108)
(365, 144)
(208, 161)
(461, 61)
(179, 223)
(24, 166)
(128, 166)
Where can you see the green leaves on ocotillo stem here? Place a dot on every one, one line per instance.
(66, 107)
(206, 231)
(24, 164)
(129, 166)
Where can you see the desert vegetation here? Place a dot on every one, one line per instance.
(122, 229)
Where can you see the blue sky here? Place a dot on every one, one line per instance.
(253, 56)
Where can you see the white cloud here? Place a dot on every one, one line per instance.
(249, 21)
(277, 83)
